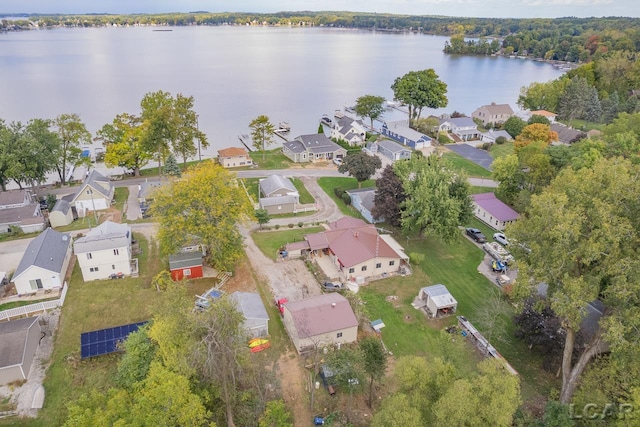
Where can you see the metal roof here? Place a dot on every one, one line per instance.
(490, 203)
(321, 314)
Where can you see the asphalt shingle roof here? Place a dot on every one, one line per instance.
(46, 251)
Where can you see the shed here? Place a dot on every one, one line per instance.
(437, 300)
(186, 265)
(19, 340)
(256, 321)
(62, 213)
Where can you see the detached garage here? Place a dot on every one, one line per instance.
(436, 301)
(19, 340)
(186, 265)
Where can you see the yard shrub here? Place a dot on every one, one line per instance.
(444, 139)
(486, 146)
(338, 191)
(501, 140)
(346, 198)
(277, 226)
(290, 225)
(300, 224)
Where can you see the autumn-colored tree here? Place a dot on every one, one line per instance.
(125, 142)
(534, 132)
(205, 204)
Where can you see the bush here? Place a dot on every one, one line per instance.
(501, 140)
(338, 191)
(290, 225)
(277, 226)
(300, 224)
(346, 198)
(444, 139)
(486, 146)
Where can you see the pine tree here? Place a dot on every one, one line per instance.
(171, 166)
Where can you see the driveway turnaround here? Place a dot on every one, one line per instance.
(477, 156)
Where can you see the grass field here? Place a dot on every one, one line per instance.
(459, 163)
(270, 242)
(501, 150)
(272, 159)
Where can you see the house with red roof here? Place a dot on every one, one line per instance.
(319, 321)
(493, 212)
(352, 250)
(234, 157)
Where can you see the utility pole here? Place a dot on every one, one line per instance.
(198, 129)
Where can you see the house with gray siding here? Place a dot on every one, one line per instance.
(19, 340)
(28, 218)
(312, 148)
(279, 195)
(400, 131)
(463, 128)
(350, 130)
(390, 149)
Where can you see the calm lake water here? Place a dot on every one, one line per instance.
(238, 73)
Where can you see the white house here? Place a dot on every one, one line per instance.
(349, 130)
(104, 251)
(363, 199)
(95, 194)
(320, 321)
(493, 113)
(437, 301)
(462, 128)
(492, 211)
(44, 263)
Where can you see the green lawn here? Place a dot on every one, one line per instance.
(459, 163)
(328, 184)
(270, 242)
(272, 159)
(501, 150)
(305, 196)
(478, 190)
(252, 185)
(15, 304)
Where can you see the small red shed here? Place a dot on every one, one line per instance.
(186, 265)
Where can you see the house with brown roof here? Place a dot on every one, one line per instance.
(544, 113)
(234, 157)
(566, 134)
(352, 250)
(16, 199)
(319, 321)
(494, 113)
(492, 211)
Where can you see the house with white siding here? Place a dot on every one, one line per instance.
(492, 211)
(493, 113)
(105, 251)
(44, 263)
(95, 194)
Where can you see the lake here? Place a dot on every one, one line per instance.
(237, 73)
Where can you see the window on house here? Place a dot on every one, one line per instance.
(116, 252)
(89, 255)
(186, 272)
(364, 268)
(89, 191)
(379, 265)
(113, 266)
(392, 263)
(339, 335)
(93, 269)
(352, 270)
(35, 284)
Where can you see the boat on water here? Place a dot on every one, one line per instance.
(326, 120)
(283, 127)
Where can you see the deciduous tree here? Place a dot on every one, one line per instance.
(262, 216)
(374, 362)
(360, 165)
(389, 197)
(276, 414)
(185, 128)
(514, 126)
(205, 203)
(262, 131)
(536, 132)
(125, 141)
(437, 199)
(370, 106)
(583, 234)
(72, 134)
(418, 90)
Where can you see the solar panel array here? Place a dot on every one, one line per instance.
(105, 341)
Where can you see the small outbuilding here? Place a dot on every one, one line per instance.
(492, 211)
(436, 301)
(62, 213)
(256, 318)
(186, 265)
(19, 340)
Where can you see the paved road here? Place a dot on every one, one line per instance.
(477, 156)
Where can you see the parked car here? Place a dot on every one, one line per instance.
(332, 286)
(501, 238)
(337, 161)
(476, 235)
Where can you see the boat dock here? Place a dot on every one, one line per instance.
(245, 138)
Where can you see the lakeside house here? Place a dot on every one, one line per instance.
(95, 194)
(105, 251)
(350, 130)
(400, 131)
(493, 113)
(234, 157)
(279, 195)
(460, 128)
(312, 148)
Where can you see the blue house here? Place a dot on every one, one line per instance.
(363, 201)
(401, 132)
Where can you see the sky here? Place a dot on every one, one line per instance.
(457, 8)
